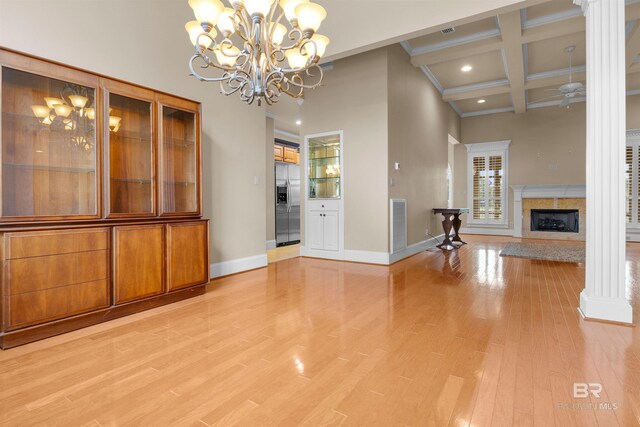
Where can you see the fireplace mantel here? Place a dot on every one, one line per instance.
(541, 191)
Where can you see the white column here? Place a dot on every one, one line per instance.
(604, 296)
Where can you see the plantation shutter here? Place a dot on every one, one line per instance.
(488, 173)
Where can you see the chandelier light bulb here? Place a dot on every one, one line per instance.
(194, 29)
(258, 7)
(289, 8)
(321, 43)
(78, 101)
(40, 111)
(90, 113)
(206, 11)
(310, 16)
(52, 102)
(227, 55)
(296, 59)
(46, 121)
(278, 33)
(226, 22)
(62, 110)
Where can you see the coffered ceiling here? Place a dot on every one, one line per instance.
(516, 57)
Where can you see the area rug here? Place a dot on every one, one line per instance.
(549, 252)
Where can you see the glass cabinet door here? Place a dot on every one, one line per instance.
(49, 143)
(180, 148)
(324, 167)
(129, 137)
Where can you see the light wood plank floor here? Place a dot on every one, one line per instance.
(461, 339)
(283, 252)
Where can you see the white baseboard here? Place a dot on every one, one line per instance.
(237, 265)
(368, 257)
(633, 235)
(271, 244)
(371, 257)
(415, 248)
(490, 231)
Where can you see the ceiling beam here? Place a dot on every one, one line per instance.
(633, 45)
(457, 52)
(476, 91)
(511, 28)
(555, 80)
(554, 29)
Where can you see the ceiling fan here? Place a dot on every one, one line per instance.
(570, 90)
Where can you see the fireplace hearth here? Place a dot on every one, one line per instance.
(555, 220)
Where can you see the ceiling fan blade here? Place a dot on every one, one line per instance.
(551, 90)
(565, 102)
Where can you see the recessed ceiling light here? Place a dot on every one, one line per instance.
(39, 151)
(466, 68)
(298, 122)
(481, 101)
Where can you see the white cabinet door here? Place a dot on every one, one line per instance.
(316, 230)
(331, 230)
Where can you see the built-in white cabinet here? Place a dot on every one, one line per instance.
(324, 230)
(324, 196)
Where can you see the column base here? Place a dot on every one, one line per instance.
(611, 309)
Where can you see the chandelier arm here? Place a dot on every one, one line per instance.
(308, 72)
(210, 64)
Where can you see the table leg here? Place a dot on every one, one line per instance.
(457, 222)
(446, 225)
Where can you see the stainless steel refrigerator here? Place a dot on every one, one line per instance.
(287, 204)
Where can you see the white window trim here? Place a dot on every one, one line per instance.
(488, 149)
(633, 140)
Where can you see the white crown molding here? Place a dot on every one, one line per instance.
(484, 147)
(555, 73)
(504, 63)
(476, 86)
(633, 133)
(287, 134)
(406, 46)
(486, 112)
(427, 72)
(455, 42)
(549, 19)
(455, 108)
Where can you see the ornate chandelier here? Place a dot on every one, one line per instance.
(72, 112)
(263, 67)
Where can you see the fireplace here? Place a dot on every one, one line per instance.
(555, 220)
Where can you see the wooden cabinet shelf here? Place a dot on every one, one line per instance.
(100, 199)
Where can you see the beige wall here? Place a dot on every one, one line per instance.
(419, 124)
(269, 181)
(144, 42)
(353, 99)
(547, 145)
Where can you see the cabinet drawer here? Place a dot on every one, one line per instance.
(51, 304)
(41, 243)
(47, 272)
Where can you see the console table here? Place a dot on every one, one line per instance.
(449, 223)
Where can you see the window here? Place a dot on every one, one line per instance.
(487, 182)
(632, 178)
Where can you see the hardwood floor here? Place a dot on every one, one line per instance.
(283, 252)
(463, 338)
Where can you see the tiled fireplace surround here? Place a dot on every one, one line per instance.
(527, 197)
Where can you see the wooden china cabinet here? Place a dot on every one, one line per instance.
(100, 206)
